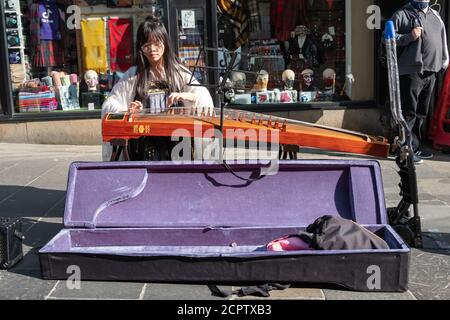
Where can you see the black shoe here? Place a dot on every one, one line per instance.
(417, 160)
(424, 155)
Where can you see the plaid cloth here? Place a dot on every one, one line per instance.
(189, 56)
(255, 19)
(49, 54)
(286, 15)
(37, 102)
(237, 13)
(44, 53)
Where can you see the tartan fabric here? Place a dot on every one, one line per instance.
(286, 15)
(255, 19)
(189, 56)
(237, 12)
(37, 102)
(44, 53)
(49, 53)
(35, 27)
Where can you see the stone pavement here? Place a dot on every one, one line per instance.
(32, 186)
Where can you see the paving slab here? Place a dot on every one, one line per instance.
(430, 274)
(20, 286)
(291, 294)
(179, 292)
(96, 291)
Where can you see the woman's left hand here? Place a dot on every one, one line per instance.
(174, 98)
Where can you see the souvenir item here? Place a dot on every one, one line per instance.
(49, 28)
(94, 44)
(303, 52)
(329, 80)
(10, 4)
(262, 81)
(307, 79)
(91, 78)
(265, 97)
(288, 79)
(11, 20)
(239, 80)
(288, 96)
(120, 44)
(15, 57)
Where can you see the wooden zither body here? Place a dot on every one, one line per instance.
(239, 125)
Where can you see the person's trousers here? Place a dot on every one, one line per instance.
(416, 92)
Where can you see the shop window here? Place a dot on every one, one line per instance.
(56, 69)
(300, 48)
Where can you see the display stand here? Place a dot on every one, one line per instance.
(14, 32)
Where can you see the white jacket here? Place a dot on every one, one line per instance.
(124, 92)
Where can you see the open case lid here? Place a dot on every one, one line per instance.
(161, 194)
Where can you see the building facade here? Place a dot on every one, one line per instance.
(330, 45)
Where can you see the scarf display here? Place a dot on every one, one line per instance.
(236, 12)
(285, 16)
(120, 44)
(255, 19)
(94, 44)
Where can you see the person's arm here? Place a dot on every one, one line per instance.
(122, 95)
(401, 22)
(192, 96)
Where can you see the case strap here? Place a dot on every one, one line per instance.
(262, 290)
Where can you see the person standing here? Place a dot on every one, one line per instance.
(422, 41)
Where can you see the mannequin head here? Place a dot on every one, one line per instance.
(301, 31)
(329, 77)
(239, 80)
(262, 80)
(307, 78)
(288, 79)
(91, 78)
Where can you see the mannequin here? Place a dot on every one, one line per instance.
(262, 81)
(238, 80)
(302, 51)
(307, 81)
(91, 78)
(288, 79)
(329, 80)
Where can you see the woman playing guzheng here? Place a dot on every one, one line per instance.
(157, 81)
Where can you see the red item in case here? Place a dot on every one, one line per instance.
(289, 243)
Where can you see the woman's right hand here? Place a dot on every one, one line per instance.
(135, 106)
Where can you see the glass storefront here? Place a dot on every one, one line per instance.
(301, 52)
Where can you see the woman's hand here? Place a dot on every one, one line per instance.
(135, 106)
(174, 98)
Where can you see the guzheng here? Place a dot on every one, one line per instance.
(240, 125)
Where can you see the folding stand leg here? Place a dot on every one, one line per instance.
(409, 228)
(119, 145)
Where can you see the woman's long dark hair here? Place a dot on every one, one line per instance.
(154, 29)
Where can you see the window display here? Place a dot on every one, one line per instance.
(50, 62)
(303, 52)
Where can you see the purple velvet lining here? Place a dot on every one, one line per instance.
(192, 242)
(140, 195)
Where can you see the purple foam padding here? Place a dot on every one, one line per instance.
(192, 242)
(140, 195)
